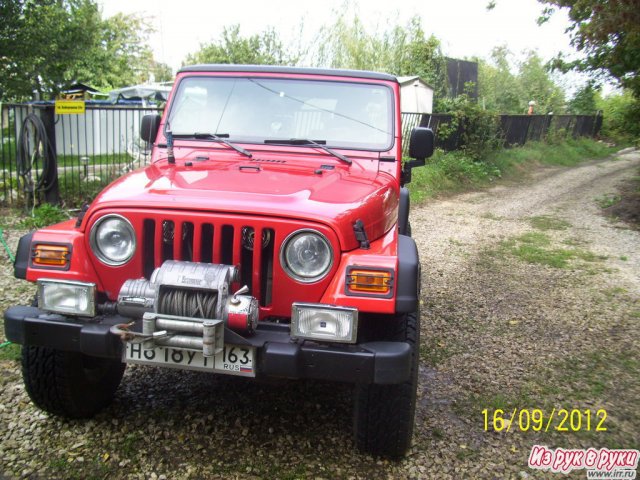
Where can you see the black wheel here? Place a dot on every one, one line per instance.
(69, 384)
(384, 414)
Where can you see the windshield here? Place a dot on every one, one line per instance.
(255, 110)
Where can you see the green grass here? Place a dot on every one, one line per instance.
(608, 200)
(537, 248)
(454, 172)
(547, 222)
(491, 216)
(11, 351)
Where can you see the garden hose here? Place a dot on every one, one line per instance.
(6, 247)
(5, 344)
(42, 149)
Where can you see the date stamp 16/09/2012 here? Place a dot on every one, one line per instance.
(538, 420)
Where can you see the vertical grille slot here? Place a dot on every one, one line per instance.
(148, 245)
(186, 238)
(224, 252)
(168, 235)
(246, 258)
(266, 269)
(205, 247)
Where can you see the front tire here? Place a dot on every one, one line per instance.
(384, 414)
(69, 384)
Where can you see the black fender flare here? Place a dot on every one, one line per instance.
(408, 278)
(23, 255)
(403, 211)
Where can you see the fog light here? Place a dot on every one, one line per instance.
(324, 322)
(72, 298)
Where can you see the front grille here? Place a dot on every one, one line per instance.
(211, 242)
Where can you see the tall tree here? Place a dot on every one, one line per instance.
(398, 50)
(41, 41)
(232, 47)
(120, 56)
(498, 86)
(507, 86)
(47, 44)
(585, 100)
(537, 85)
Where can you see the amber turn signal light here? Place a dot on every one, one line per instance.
(369, 281)
(51, 255)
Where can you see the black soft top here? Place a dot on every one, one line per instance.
(291, 70)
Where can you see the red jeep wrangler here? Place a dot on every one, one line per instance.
(268, 237)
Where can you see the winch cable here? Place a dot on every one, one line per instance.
(188, 303)
(42, 151)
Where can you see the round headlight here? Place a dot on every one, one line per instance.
(113, 240)
(306, 256)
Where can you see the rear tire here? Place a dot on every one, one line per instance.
(69, 384)
(384, 414)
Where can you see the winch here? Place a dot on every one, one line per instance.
(185, 304)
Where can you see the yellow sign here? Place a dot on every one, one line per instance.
(65, 107)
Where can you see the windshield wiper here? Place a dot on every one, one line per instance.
(216, 138)
(315, 143)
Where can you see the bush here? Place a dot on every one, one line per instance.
(478, 130)
(44, 215)
(621, 117)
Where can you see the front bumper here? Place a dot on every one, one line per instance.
(277, 354)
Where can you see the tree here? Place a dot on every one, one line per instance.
(120, 55)
(260, 49)
(41, 41)
(498, 87)
(537, 85)
(620, 113)
(161, 72)
(585, 100)
(504, 91)
(608, 33)
(398, 50)
(48, 44)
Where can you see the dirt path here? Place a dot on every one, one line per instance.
(530, 301)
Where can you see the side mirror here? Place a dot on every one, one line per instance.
(421, 144)
(149, 127)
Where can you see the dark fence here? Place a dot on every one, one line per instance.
(514, 129)
(50, 157)
(70, 158)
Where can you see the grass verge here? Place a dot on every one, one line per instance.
(537, 248)
(454, 172)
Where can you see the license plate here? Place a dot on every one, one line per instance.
(233, 360)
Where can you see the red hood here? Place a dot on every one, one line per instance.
(336, 197)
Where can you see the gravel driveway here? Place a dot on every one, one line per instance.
(530, 301)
